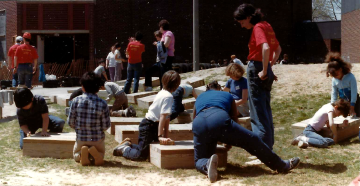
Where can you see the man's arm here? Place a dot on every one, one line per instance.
(265, 54)
(15, 64)
(9, 62)
(276, 55)
(234, 112)
(332, 125)
(163, 131)
(104, 73)
(45, 124)
(25, 129)
(35, 66)
(167, 41)
(244, 98)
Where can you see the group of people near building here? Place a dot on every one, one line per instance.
(216, 112)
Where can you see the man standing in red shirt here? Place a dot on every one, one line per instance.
(25, 61)
(11, 54)
(134, 50)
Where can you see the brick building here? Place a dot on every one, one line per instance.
(350, 34)
(64, 30)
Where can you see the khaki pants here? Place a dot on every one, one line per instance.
(99, 145)
(121, 102)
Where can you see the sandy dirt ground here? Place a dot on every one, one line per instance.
(293, 80)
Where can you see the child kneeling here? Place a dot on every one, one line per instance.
(155, 126)
(89, 116)
(324, 116)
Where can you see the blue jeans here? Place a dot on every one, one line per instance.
(15, 80)
(259, 102)
(316, 139)
(213, 125)
(177, 106)
(25, 71)
(55, 125)
(157, 67)
(148, 133)
(133, 71)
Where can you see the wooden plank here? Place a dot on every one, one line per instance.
(132, 98)
(53, 99)
(194, 81)
(155, 83)
(63, 100)
(245, 122)
(189, 103)
(180, 155)
(122, 82)
(57, 145)
(176, 132)
(202, 89)
(342, 133)
(122, 121)
(145, 102)
(184, 117)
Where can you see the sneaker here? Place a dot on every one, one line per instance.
(131, 111)
(303, 144)
(212, 168)
(119, 150)
(296, 140)
(294, 162)
(149, 89)
(84, 156)
(99, 160)
(254, 162)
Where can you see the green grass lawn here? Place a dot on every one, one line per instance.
(336, 165)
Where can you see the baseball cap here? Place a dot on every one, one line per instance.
(27, 35)
(22, 97)
(19, 38)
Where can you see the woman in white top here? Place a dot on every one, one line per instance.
(118, 65)
(111, 63)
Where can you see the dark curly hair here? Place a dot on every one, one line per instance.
(343, 106)
(214, 85)
(91, 82)
(335, 62)
(164, 24)
(248, 10)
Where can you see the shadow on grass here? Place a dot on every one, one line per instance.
(336, 168)
(248, 171)
(350, 141)
(7, 119)
(119, 164)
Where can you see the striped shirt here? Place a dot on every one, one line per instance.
(89, 116)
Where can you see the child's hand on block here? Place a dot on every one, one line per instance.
(166, 141)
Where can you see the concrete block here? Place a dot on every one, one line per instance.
(176, 132)
(145, 102)
(342, 133)
(122, 82)
(57, 145)
(63, 100)
(180, 155)
(132, 98)
(184, 117)
(122, 121)
(194, 81)
(155, 83)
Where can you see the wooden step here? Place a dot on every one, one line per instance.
(145, 102)
(202, 89)
(180, 155)
(155, 83)
(194, 81)
(184, 117)
(188, 103)
(343, 133)
(132, 98)
(57, 145)
(63, 100)
(122, 121)
(122, 82)
(176, 132)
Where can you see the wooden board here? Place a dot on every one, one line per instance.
(145, 102)
(63, 100)
(155, 83)
(122, 82)
(176, 132)
(245, 122)
(57, 145)
(132, 98)
(53, 99)
(180, 155)
(122, 121)
(202, 89)
(194, 81)
(342, 133)
(184, 117)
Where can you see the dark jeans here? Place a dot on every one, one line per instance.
(15, 80)
(55, 125)
(316, 139)
(148, 133)
(259, 102)
(25, 71)
(177, 106)
(158, 68)
(168, 63)
(133, 71)
(213, 125)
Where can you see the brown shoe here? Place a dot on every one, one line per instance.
(99, 160)
(84, 156)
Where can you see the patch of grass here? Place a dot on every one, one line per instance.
(336, 165)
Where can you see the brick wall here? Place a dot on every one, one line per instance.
(11, 21)
(350, 36)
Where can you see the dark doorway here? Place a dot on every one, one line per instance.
(336, 45)
(58, 49)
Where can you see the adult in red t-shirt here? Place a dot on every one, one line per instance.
(134, 51)
(25, 61)
(264, 50)
(11, 54)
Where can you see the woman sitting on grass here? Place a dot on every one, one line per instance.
(324, 116)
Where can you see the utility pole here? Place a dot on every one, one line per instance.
(196, 59)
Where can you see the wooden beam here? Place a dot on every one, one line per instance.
(122, 121)
(132, 98)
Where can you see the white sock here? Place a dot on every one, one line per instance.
(304, 139)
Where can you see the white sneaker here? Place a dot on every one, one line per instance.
(254, 162)
(296, 140)
(212, 168)
(303, 144)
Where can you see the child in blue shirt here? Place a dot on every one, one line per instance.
(344, 84)
(237, 87)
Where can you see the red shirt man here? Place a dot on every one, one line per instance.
(25, 53)
(12, 51)
(134, 50)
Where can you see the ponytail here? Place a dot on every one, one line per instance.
(335, 62)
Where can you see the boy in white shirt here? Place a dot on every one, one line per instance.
(155, 126)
